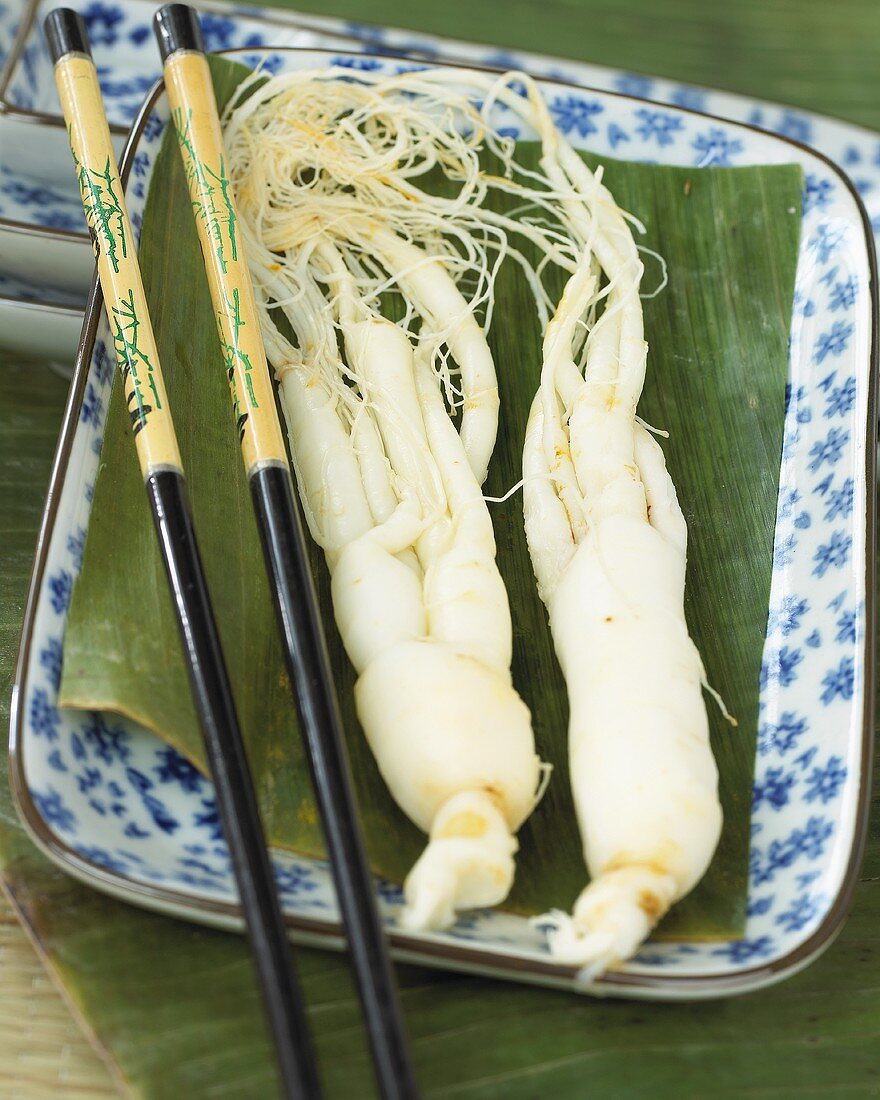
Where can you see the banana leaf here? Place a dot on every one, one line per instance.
(718, 338)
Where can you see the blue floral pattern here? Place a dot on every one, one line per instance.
(127, 802)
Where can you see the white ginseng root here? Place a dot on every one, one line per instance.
(390, 486)
(608, 542)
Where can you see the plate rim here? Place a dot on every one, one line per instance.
(499, 964)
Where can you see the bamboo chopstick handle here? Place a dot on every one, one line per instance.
(194, 113)
(113, 243)
(119, 273)
(190, 91)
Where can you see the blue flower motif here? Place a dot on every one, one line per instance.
(806, 758)
(101, 22)
(56, 761)
(53, 810)
(374, 34)
(43, 717)
(822, 487)
(839, 681)
(826, 241)
(741, 951)
(50, 661)
(28, 194)
(60, 586)
(833, 342)
(104, 362)
(692, 99)
(363, 64)
(774, 789)
(787, 618)
(175, 768)
(659, 125)
(840, 501)
(799, 913)
(841, 399)
(760, 906)
(843, 296)
(76, 544)
(715, 148)
(103, 858)
(209, 818)
(153, 127)
(294, 878)
(808, 878)
(795, 126)
(634, 84)
(825, 783)
(199, 882)
(833, 553)
(138, 780)
(117, 89)
(829, 449)
(64, 219)
(218, 31)
(817, 192)
(810, 841)
(135, 832)
(92, 407)
(847, 627)
(616, 135)
(781, 666)
(783, 736)
(88, 779)
(572, 113)
(200, 865)
(109, 742)
(160, 813)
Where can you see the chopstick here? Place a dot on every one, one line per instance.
(160, 462)
(194, 110)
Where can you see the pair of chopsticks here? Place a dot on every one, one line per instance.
(194, 109)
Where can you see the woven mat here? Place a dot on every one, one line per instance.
(43, 1054)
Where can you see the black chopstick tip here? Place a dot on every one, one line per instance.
(65, 33)
(177, 28)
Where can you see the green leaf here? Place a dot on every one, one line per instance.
(716, 374)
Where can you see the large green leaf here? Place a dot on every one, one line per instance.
(718, 337)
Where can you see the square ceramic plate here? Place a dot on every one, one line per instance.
(116, 807)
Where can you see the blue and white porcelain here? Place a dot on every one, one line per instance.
(114, 805)
(43, 236)
(125, 53)
(37, 191)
